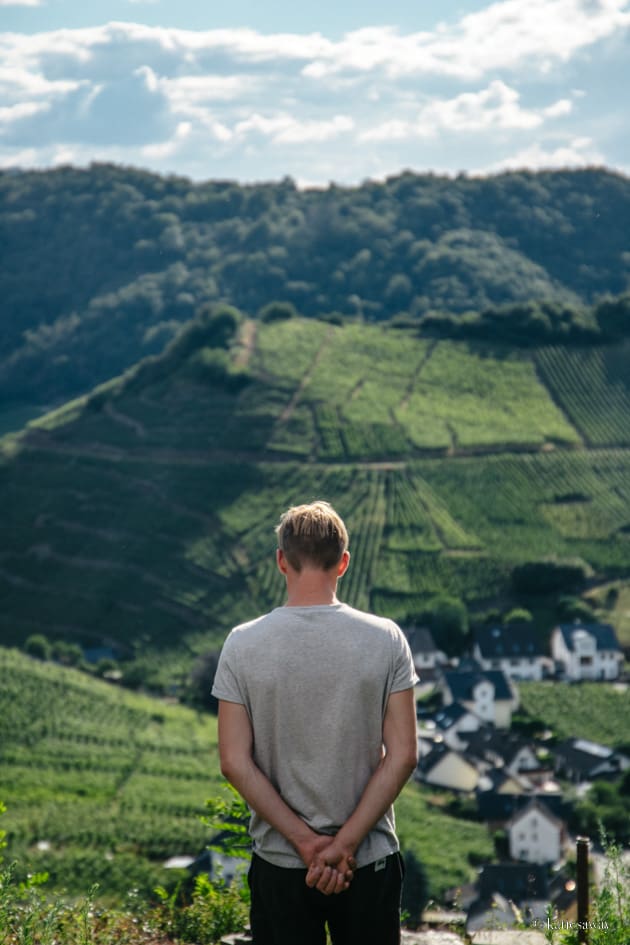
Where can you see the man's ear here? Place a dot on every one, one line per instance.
(281, 561)
(344, 561)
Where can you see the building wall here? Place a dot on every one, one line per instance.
(455, 773)
(516, 668)
(502, 714)
(535, 839)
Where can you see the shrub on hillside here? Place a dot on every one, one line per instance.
(277, 312)
(550, 575)
(38, 646)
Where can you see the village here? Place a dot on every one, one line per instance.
(467, 745)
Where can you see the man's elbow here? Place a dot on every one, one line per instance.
(411, 763)
(232, 767)
(408, 760)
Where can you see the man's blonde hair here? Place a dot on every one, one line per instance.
(313, 534)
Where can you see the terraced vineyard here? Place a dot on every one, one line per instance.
(592, 385)
(97, 776)
(591, 711)
(142, 516)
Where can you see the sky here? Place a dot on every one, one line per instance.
(336, 90)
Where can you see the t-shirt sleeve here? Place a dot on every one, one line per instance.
(404, 672)
(226, 685)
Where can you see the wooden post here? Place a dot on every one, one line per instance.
(582, 845)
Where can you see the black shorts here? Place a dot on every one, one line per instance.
(285, 911)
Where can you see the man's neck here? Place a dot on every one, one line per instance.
(311, 589)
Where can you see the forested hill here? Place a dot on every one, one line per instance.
(101, 266)
(141, 516)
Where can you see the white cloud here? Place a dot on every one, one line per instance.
(495, 107)
(504, 35)
(168, 149)
(578, 152)
(27, 157)
(12, 113)
(285, 129)
(497, 82)
(22, 3)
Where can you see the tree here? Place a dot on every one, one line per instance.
(447, 619)
(68, 654)
(277, 312)
(199, 688)
(550, 575)
(613, 317)
(517, 615)
(38, 646)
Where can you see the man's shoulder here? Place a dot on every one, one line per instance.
(251, 626)
(369, 619)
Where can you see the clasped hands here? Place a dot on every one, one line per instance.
(330, 864)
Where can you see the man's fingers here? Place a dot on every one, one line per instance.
(313, 875)
(328, 881)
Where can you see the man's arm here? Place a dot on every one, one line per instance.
(236, 743)
(400, 759)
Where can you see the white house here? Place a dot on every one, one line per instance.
(514, 650)
(535, 835)
(587, 651)
(488, 695)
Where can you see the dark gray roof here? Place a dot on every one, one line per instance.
(516, 881)
(604, 634)
(584, 756)
(492, 805)
(420, 640)
(536, 803)
(517, 641)
(447, 716)
(461, 684)
(487, 742)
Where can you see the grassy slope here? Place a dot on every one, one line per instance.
(94, 769)
(145, 515)
(590, 710)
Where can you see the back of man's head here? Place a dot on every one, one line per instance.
(312, 535)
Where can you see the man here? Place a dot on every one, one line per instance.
(317, 731)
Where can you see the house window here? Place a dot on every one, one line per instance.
(586, 660)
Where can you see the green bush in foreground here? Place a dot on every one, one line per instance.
(29, 917)
(609, 918)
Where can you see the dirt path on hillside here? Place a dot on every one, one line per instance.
(110, 411)
(247, 342)
(287, 413)
(404, 403)
(41, 440)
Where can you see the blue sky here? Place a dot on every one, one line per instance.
(339, 91)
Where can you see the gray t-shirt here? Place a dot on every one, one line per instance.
(315, 682)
